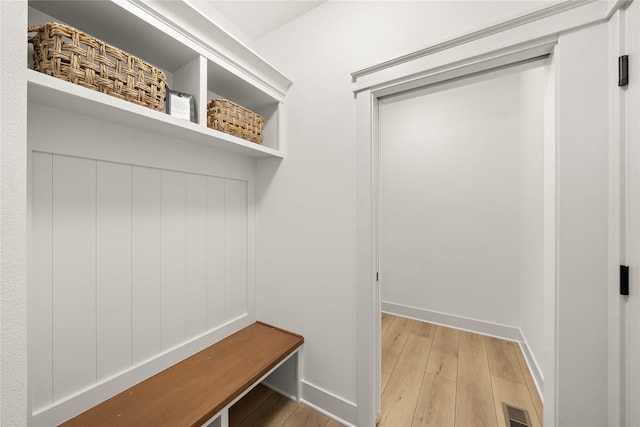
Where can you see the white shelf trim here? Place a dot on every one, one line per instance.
(212, 41)
(57, 93)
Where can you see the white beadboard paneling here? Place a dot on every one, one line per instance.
(215, 251)
(40, 280)
(148, 155)
(173, 258)
(196, 254)
(74, 275)
(235, 248)
(137, 261)
(113, 268)
(243, 217)
(243, 240)
(146, 257)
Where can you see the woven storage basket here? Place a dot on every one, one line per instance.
(69, 54)
(233, 119)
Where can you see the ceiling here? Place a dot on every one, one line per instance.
(257, 18)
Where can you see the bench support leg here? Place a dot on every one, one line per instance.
(224, 418)
(286, 379)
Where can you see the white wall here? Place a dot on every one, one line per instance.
(449, 198)
(308, 208)
(531, 264)
(306, 264)
(13, 218)
(461, 201)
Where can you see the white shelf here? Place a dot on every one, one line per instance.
(56, 93)
(176, 37)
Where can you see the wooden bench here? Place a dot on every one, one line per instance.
(200, 389)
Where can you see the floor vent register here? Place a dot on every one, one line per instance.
(516, 417)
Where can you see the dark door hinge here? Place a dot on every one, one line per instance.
(623, 70)
(624, 280)
(377, 276)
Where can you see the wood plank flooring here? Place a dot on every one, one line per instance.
(442, 377)
(432, 376)
(263, 407)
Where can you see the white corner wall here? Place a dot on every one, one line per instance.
(450, 200)
(13, 215)
(306, 204)
(461, 204)
(531, 265)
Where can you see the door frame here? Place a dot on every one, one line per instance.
(523, 38)
(625, 127)
(370, 102)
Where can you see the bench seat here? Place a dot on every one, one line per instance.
(194, 390)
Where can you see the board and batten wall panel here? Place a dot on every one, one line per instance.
(74, 274)
(133, 261)
(235, 244)
(216, 248)
(40, 279)
(146, 261)
(173, 258)
(196, 255)
(113, 274)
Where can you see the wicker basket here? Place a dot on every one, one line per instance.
(69, 54)
(225, 116)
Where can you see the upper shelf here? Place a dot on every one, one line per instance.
(111, 23)
(53, 92)
(169, 34)
(174, 37)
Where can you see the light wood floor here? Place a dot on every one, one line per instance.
(431, 376)
(442, 377)
(263, 407)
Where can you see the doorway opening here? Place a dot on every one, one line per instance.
(465, 172)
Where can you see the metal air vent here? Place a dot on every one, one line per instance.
(516, 417)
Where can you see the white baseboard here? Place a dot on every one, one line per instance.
(333, 406)
(532, 363)
(471, 325)
(496, 330)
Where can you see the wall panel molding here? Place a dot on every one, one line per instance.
(141, 267)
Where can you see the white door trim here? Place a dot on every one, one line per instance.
(617, 224)
(626, 129)
(368, 206)
(367, 393)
